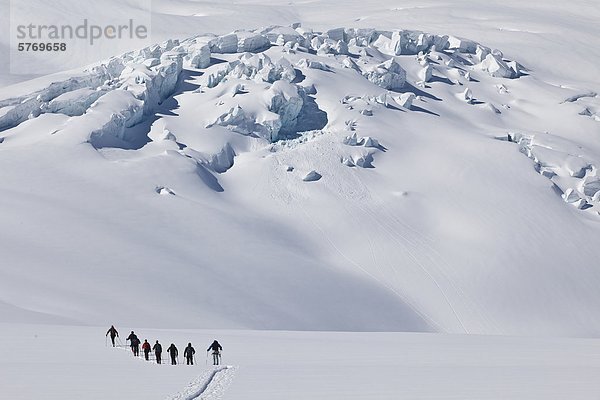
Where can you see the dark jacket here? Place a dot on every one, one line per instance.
(215, 347)
(157, 348)
(112, 331)
(173, 350)
(189, 351)
(134, 339)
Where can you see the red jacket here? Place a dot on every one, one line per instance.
(146, 346)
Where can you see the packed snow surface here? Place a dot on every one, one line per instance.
(73, 362)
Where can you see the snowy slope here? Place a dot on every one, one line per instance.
(427, 219)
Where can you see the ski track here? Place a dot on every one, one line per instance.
(211, 385)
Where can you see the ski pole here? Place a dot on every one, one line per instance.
(105, 341)
(206, 363)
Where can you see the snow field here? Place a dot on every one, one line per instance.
(55, 362)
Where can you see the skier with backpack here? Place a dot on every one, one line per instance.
(157, 351)
(146, 347)
(173, 352)
(188, 353)
(134, 343)
(216, 351)
(113, 333)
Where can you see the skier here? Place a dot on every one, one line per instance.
(215, 347)
(134, 343)
(188, 353)
(157, 351)
(172, 350)
(112, 332)
(146, 347)
(136, 348)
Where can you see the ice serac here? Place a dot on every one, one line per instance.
(567, 164)
(462, 45)
(19, 109)
(481, 53)
(246, 123)
(286, 101)
(114, 112)
(256, 67)
(225, 44)
(336, 34)
(388, 75)
(406, 99)
(284, 34)
(199, 55)
(410, 42)
(306, 63)
(426, 73)
(152, 85)
(239, 121)
(73, 103)
(222, 160)
(251, 41)
(150, 74)
(496, 67)
(405, 42)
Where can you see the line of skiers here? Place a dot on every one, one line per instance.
(188, 353)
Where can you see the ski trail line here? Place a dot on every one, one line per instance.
(210, 385)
